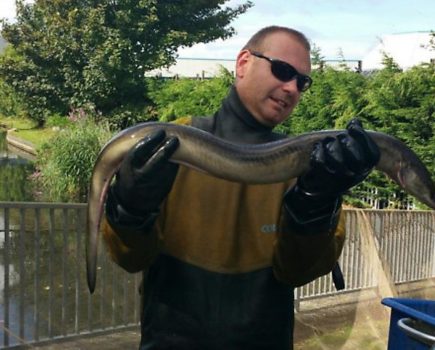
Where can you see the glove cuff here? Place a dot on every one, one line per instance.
(310, 213)
(120, 218)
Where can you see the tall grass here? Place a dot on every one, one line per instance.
(65, 163)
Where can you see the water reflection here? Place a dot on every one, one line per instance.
(14, 186)
(14, 174)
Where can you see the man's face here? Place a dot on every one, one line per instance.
(268, 99)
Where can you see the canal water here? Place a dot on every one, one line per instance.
(15, 171)
(14, 186)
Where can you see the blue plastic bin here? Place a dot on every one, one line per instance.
(412, 324)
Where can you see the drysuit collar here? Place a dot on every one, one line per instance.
(235, 123)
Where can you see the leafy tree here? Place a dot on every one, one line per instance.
(73, 52)
(10, 103)
(402, 104)
(317, 59)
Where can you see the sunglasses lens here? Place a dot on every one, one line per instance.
(283, 71)
(303, 82)
(286, 72)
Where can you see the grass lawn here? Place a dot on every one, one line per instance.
(27, 130)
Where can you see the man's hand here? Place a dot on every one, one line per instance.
(146, 176)
(337, 164)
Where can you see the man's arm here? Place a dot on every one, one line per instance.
(133, 204)
(299, 259)
(312, 231)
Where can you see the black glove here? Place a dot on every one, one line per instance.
(143, 181)
(337, 164)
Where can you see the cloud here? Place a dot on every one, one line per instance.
(7, 9)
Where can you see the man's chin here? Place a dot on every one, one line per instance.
(273, 121)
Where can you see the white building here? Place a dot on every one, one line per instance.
(406, 49)
(194, 68)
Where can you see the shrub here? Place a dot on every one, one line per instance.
(57, 120)
(189, 97)
(65, 163)
(128, 115)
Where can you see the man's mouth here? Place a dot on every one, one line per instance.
(280, 102)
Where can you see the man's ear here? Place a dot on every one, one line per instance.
(242, 63)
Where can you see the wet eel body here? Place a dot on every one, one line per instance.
(255, 164)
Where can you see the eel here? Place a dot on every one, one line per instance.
(254, 164)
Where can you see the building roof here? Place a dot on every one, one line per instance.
(406, 49)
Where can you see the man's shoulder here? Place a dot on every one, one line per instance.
(183, 121)
(201, 122)
(205, 123)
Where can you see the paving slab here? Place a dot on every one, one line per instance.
(121, 340)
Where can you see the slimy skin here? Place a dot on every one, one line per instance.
(255, 164)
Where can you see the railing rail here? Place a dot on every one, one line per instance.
(43, 291)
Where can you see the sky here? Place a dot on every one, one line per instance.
(340, 28)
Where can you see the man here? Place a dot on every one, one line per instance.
(221, 259)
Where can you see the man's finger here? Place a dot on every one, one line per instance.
(366, 143)
(161, 156)
(146, 147)
(354, 155)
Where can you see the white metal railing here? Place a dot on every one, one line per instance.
(43, 291)
(43, 287)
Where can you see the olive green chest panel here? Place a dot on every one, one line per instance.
(219, 225)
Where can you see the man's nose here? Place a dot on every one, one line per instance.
(290, 87)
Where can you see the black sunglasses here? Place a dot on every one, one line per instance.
(286, 72)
